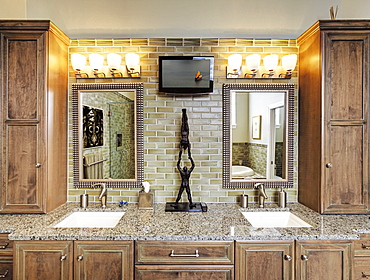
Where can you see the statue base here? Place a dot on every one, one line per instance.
(183, 207)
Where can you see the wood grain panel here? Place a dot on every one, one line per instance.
(325, 260)
(345, 178)
(42, 260)
(184, 272)
(23, 72)
(158, 252)
(21, 187)
(361, 268)
(346, 68)
(264, 260)
(104, 260)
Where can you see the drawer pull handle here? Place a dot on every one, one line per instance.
(5, 274)
(4, 246)
(364, 275)
(365, 247)
(196, 255)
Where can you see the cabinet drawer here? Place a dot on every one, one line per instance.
(362, 247)
(180, 272)
(192, 252)
(6, 270)
(361, 268)
(6, 247)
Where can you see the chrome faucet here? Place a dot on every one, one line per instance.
(103, 194)
(261, 194)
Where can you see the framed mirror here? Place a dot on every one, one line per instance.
(108, 137)
(258, 135)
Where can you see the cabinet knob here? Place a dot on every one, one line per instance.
(304, 258)
(62, 258)
(329, 165)
(364, 275)
(363, 246)
(5, 274)
(80, 258)
(38, 165)
(4, 246)
(287, 257)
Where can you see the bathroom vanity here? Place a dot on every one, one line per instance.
(218, 244)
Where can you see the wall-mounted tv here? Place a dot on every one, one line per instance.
(186, 74)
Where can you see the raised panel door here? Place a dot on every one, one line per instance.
(323, 260)
(104, 260)
(345, 162)
(264, 260)
(43, 260)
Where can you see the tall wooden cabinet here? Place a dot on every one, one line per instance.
(34, 91)
(334, 116)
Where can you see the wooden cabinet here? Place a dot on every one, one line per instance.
(334, 116)
(34, 91)
(6, 257)
(89, 260)
(264, 260)
(361, 260)
(43, 260)
(184, 260)
(301, 260)
(96, 260)
(316, 260)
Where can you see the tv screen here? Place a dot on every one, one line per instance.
(186, 74)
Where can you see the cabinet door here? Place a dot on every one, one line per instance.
(43, 260)
(22, 79)
(182, 272)
(271, 260)
(346, 98)
(323, 260)
(104, 260)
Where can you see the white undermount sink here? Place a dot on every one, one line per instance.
(273, 219)
(91, 220)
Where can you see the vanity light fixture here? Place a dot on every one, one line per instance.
(288, 62)
(234, 64)
(253, 64)
(96, 63)
(78, 64)
(114, 64)
(253, 70)
(113, 69)
(133, 64)
(270, 62)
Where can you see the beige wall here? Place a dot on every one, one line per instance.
(13, 9)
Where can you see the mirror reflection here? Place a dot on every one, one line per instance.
(108, 134)
(258, 135)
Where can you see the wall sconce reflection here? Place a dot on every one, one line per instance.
(113, 69)
(253, 70)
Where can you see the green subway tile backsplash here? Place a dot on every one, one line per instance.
(162, 116)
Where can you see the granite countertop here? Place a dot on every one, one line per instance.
(223, 221)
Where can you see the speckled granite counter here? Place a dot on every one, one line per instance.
(223, 221)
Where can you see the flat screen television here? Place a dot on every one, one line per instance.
(186, 74)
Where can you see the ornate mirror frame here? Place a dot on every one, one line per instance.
(139, 132)
(227, 145)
